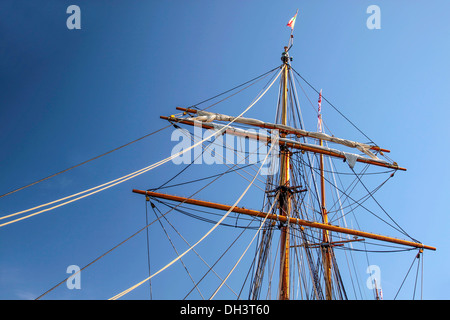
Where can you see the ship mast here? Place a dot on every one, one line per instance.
(326, 245)
(284, 196)
(287, 217)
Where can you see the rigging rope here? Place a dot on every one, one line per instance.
(131, 175)
(136, 140)
(242, 84)
(176, 251)
(210, 268)
(121, 294)
(335, 108)
(414, 260)
(148, 248)
(371, 195)
(82, 163)
(245, 251)
(130, 237)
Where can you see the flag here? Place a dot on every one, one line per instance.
(291, 22)
(319, 115)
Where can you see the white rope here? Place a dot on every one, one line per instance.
(128, 176)
(117, 296)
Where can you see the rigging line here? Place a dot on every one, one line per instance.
(202, 211)
(271, 270)
(82, 163)
(361, 200)
(335, 108)
(240, 258)
(350, 252)
(359, 204)
(217, 261)
(193, 138)
(235, 92)
(148, 247)
(417, 274)
(176, 251)
(199, 103)
(198, 217)
(296, 101)
(345, 192)
(375, 251)
(312, 105)
(404, 232)
(210, 268)
(131, 175)
(130, 237)
(96, 259)
(121, 294)
(415, 257)
(185, 168)
(350, 173)
(421, 280)
(228, 147)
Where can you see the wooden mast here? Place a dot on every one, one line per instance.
(326, 241)
(326, 255)
(284, 196)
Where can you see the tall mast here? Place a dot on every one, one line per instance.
(287, 206)
(326, 244)
(284, 199)
(326, 254)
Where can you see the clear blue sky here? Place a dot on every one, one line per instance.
(69, 95)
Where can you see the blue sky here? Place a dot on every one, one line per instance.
(69, 95)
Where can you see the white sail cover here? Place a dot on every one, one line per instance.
(206, 116)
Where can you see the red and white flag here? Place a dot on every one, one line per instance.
(291, 22)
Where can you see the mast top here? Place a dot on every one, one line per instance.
(285, 56)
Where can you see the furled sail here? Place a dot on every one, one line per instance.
(206, 116)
